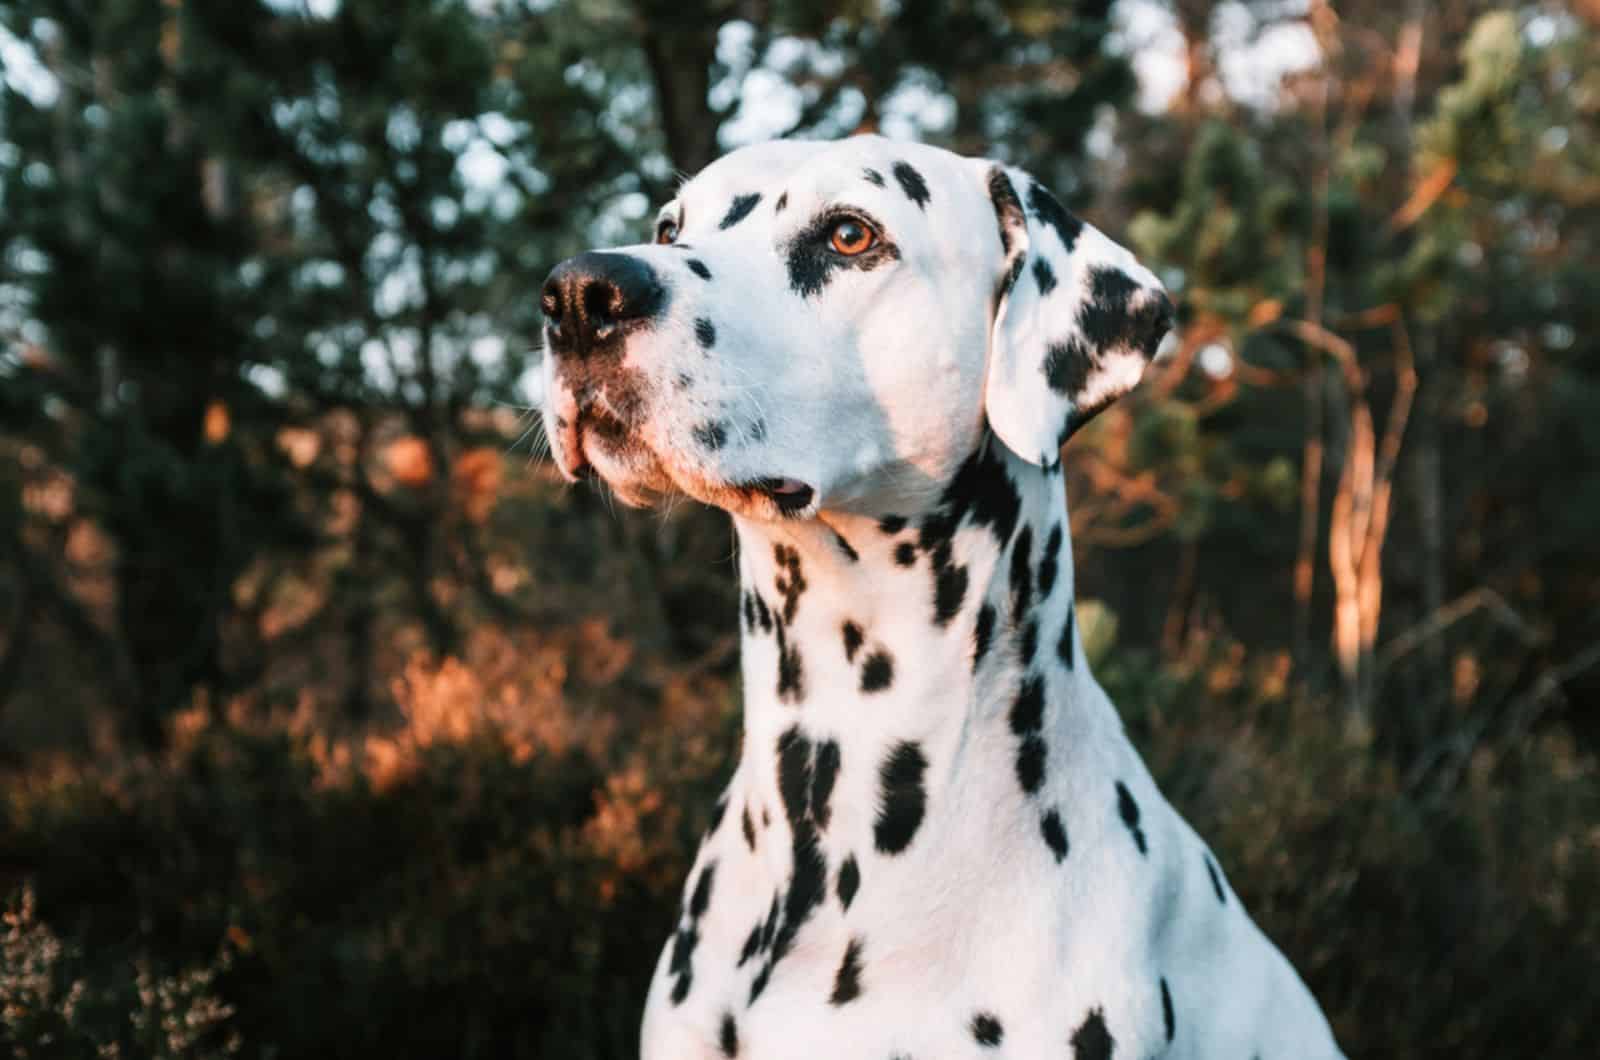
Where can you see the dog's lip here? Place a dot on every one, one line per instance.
(790, 496)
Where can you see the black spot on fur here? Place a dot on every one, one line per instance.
(1022, 574)
(877, 673)
(748, 827)
(698, 267)
(950, 588)
(1048, 562)
(986, 1030)
(912, 184)
(758, 430)
(844, 546)
(728, 1038)
(1129, 811)
(1007, 208)
(684, 380)
(982, 634)
(701, 899)
(823, 776)
(739, 209)
(681, 963)
(1091, 1041)
(1216, 879)
(1167, 1014)
(1030, 762)
(748, 609)
(1055, 835)
(752, 945)
(873, 176)
(902, 798)
(712, 434)
(852, 641)
(1044, 275)
(847, 981)
(849, 881)
(790, 581)
(1067, 366)
(1109, 318)
(1050, 211)
(794, 773)
(812, 261)
(783, 200)
(1029, 642)
(892, 524)
(1064, 647)
(1027, 710)
(705, 333)
(905, 554)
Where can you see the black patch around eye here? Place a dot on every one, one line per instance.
(1055, 835)
(905, 554)
(713, 435)
(877, 673)
(783, 200)
(986, 1030)
(739, 209)
(1044, 275)
(728, 1037)
(902, 798)
(812, 262)
(1050, 211)
(698, 267)
(1129, 812)
(982, 634)
(1091, 1041)
(873, 176)
(847, 981)
(852, 641)
(912, 184)
(1167, 1015)
(849, 881)
(705, 333)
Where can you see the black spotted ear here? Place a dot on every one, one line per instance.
(1076, 320)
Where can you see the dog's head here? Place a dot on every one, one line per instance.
(830, 325)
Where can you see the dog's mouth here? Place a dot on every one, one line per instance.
(601, 447)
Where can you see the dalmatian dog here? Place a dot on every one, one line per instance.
(939, 842)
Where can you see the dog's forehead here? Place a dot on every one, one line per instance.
(821, 168)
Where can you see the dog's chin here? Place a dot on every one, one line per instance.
(642, 479)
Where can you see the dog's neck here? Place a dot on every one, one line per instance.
(864, 637)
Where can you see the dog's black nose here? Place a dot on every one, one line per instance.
(590, 300)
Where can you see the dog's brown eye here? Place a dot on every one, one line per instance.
(851, 238)
(667, 232)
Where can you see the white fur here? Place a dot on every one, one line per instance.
(874, 393)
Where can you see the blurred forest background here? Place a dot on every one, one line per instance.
(331, 723)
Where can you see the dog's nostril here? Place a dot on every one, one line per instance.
(550, 304)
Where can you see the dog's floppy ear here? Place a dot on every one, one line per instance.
(1076, 320)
